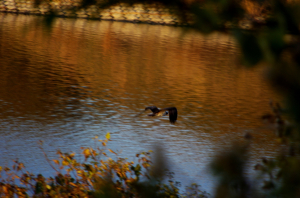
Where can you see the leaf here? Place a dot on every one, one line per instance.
(138, 167)
(4, 189)
(65, 163)
(56, 161)
(107, 136)
(71, 183)
(86, 152)
(112, 151)
(20, 167)
(6, 169)
(145, 165)
(72, 155)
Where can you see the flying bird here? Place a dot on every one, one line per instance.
(172, 111)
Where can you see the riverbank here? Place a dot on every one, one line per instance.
(138, 13)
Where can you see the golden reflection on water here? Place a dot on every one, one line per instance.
(89, 72)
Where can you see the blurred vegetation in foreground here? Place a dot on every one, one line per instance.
(97, 176)
(273, 41)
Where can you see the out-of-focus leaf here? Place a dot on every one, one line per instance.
(268, 185)
(205, 20)
(112, 151)
(107, 136)
(250, 47)
(56, 161)
(65, 163)
(86, 152)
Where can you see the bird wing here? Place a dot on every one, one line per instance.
(154, 109)
(172, 113)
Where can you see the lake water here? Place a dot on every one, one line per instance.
(83, 78)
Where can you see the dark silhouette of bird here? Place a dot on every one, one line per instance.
(171, 111)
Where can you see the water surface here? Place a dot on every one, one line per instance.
(83, 78)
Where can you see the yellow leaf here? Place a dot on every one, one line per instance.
(0, 168)
(96, 137)
(87, 152)
(107, 136)
(111, 151)
(49, 187)
(72, 154)
(65, 163)
(103, 143)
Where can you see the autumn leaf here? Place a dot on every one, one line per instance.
(72, 154)
(65, 163)
(86, 152)
(20, 167)
(107, 136)
(112, 151)
(7, 169)
(71, 183)
(4, 189)
(56, 162)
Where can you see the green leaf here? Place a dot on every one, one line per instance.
(138, 168)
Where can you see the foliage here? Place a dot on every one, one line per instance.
(278, 176)
(97, 176)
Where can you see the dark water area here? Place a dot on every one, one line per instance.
(82, 78)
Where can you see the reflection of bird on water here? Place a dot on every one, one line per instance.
(172, 111)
